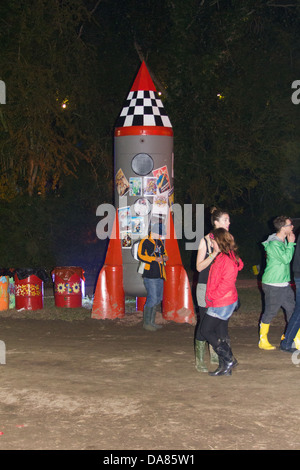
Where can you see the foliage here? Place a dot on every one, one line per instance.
(236, 118)
(47, 68)
(225, 69)
(53, 231)
(236, 139)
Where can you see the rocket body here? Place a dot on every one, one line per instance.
(144, 195)
(143, 163)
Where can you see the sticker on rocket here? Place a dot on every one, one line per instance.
(135, 185)
(142, 206)
(150, 186)
(121, 183)
(161, 204)
(125, 226)
(126, 240)
(161, 220)
(124, 219)
(171, 198)
(162, 177)
(137, 225)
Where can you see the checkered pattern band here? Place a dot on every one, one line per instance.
(143, 108)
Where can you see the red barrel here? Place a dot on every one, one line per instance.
(68, 286)
(29, 292)
(4, 299)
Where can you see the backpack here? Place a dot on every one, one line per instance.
(134, 249)
(134, 252)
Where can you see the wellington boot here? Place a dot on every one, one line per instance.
(152, 318)
(226, 360)
(297, 340)
(234, 360)
(147, 319)
(149, 327)
(222, 369)
(200, 347)
(214, 358)
(263, 337)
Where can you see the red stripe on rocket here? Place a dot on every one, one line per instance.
(143, 162)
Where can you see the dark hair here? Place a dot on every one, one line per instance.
(280, 222)
(226, 242)
(216, 214)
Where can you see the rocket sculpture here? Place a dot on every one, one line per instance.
(143, 166)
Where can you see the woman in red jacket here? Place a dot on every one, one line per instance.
(221, 298)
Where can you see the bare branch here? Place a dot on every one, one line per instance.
(90, 14)
(156, 81)
(287, 5)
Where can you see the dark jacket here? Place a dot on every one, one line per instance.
(149, 249)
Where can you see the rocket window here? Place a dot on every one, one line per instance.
(142, 164)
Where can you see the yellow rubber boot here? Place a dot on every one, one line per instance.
(263, 337)
(297, 340)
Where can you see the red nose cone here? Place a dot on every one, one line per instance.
(143, 81)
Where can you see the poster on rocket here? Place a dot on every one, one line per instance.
(137, 225)
(124, 218)
(159, 219)
(150, 186)
(126, 240)
(171, 198)
(161, 204)
(121, 183)
(162, 178)
(135, 186)
(142, 206)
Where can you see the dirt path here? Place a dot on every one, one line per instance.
(111, 385)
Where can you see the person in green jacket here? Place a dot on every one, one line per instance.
(279, 248)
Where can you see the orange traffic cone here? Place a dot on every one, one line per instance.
(109, 298)
(178, 307)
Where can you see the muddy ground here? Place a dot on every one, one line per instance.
(110, 385)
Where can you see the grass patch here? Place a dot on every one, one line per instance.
(248, 314)
(49, 312)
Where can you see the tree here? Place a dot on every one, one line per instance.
(47, 67)
(229, 84)
(224, 68)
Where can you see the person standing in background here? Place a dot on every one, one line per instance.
(221, 299)
(279, 247)
(291, 340)
(205, 256)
